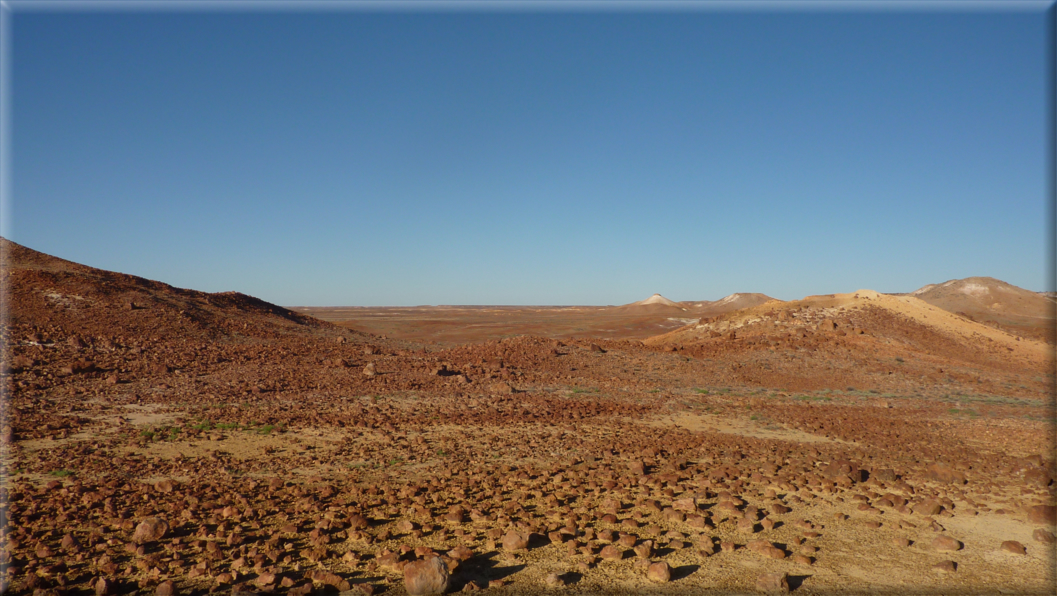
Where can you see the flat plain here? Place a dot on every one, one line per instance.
(166, 441)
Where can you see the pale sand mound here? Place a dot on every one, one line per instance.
(913, 308)
(656, 299)
(653, 304)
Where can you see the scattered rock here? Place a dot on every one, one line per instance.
(945, 567)
(944, 473)
(426, 576)
(944, 542)
(659, 572)
(1012, 546)
(150, 530)
(501, 388)
(1043, 536)
(514, 541)
(773, 582)
(612, 553)
(1042, 514)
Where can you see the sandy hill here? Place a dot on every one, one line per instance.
(865, 322)
(655, 304)
(54, 296)
(729, 303)
(995, 303)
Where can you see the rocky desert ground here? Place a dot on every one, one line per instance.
(164, 441)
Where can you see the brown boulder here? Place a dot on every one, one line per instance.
(501, 388)
(773, 582)
(611, 553)
(426, 576)
(1044, 536)
(945, 567)
(930, 507)
(1012, 546)
(1042, 514)
(944, 473)
(150, 530)
(515, 541)
(166, 588)
(944, 542)
(686, 504)
(659, 572)
(104, 587)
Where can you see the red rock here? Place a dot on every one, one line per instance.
(225, 578)
(612, 553)
(944, 542)
(166, 588)
(1042, 514)
(104, 587)
(501, 388)
(773, 582)
(265, 579)
(460, 553)
(659, 572)
(774, 552)
(686, 504)
(930, 507)
(945, 567)
(944, 473)
(1044, 536)
(1012, 546)
(150, 530)
(356, 522)
(513, 541)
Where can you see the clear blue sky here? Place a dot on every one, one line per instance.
(532, 156)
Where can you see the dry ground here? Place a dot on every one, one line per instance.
(278, 464)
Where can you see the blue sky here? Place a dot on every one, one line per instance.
(532, 156)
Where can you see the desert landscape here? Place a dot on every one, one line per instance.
(165, 441)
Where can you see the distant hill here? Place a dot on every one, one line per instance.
(996, 303)
(46, 292)
(729, 303)
(655, 304)
(864, 317)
